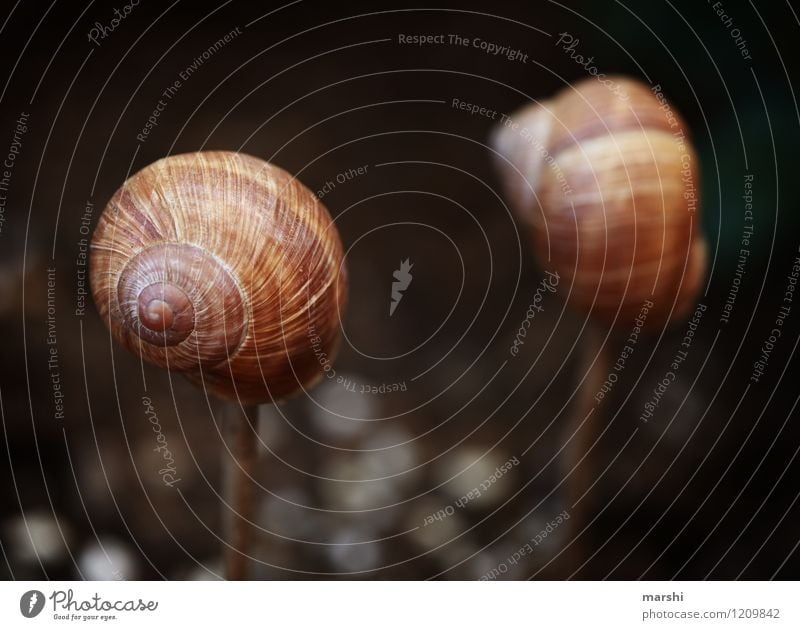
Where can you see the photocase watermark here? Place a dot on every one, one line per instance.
(168, 472)
(781, 316)
(674, 367)
(473, 494)
(679, 135)
(170, 92)
(733, 31)
(453, 39)
(347, 382)
(341, 178)
(530, 137)
(66, 607)
(53, 367)
(31, 604)
(744, 250)
(569, 44)
(20, 129)
(490, 48)
(402, 280)
(351, 385)
(82, 261)
(665, 107)
(322, 357)
(101, 31)
(627, 351)
(527, 549)
(547, 285)
(473, 109)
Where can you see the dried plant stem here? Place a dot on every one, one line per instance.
(582, 433)
(238, 463)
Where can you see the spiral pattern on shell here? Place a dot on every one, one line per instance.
(610, 189)
(225, 268)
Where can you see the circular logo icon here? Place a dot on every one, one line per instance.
(31, 603)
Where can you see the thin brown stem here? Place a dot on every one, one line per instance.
(238, 463)
(580, 451)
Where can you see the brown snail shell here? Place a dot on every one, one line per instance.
(225, 268)
(610, 192)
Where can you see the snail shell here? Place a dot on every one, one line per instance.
(610, 192)
(225, 268)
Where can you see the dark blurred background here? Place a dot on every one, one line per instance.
(369, 484)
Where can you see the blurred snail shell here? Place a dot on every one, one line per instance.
(223, 267)
(610, 193)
